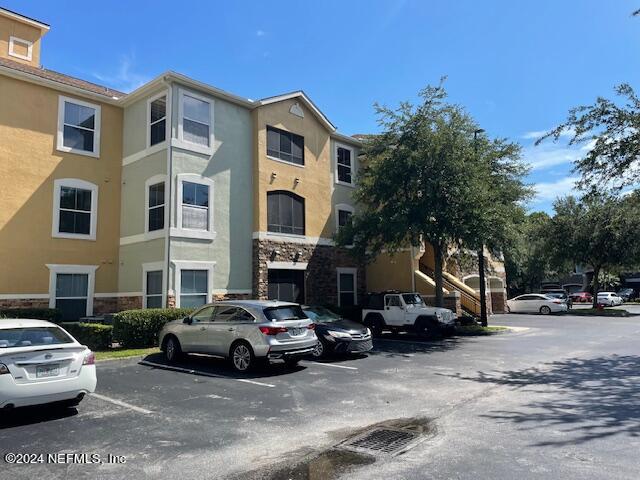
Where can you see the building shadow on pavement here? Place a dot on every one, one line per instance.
(19, 417)
(581, 399)
(403, 345)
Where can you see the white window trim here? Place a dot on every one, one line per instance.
(96, 130)
(353, 271)
(154, 267)
(180, 142)
(150, 100)
(344, 207)
(13, 40)
(74, 183)
(90, 270)
(180, 265)
(153, 181)
(353, 163)
(178, 231)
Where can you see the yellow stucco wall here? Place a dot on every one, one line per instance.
(10, 27)
(314, 178)
(391, 272)
(29, 165)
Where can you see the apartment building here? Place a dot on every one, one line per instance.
(172, 195)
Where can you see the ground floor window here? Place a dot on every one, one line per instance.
(153, 296)
(72, 293)
(347, 287)
(194, 288)
(286, 285)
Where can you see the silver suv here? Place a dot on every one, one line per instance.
(243, 331)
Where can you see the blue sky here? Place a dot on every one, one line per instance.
(517, 66)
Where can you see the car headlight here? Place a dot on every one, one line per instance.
(438, 315)
(338, 334)
(368, 332)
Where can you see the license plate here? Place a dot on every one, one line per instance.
(44, 371)
(296, 331)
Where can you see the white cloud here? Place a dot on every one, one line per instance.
(550, 154)
(549, 191)
(535, 134)
(124, 78)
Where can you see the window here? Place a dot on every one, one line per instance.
(153, 292)
(195, 120)
(286, 285)
(75, 205)
(71, 295)
(344, 165)
(344, 218)
(205, 314)
(157, 120)
(285, 146)
(195, 206)
(20, 48)
(156, 207)
(347, 287)
(393, 301)
(78, 127)
(232, 314)
(285, 213)
(193, 288)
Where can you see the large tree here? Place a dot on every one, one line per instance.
(610, 133)
(424, 178)
(600, 230)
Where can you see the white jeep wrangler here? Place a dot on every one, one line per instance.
(406, 311)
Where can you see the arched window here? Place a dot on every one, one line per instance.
(285, 212)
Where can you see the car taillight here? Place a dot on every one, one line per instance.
(3, 369)
(557, 301)
(89, 359)
(273, 330)
(311, 326)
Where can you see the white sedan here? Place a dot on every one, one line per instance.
(41, 363)
(536, 303)
(610, 299)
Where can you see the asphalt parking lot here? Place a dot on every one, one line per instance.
(559, 396)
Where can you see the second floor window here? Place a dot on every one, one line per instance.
(196, 120)
(158, 120)
(285, 146)
(75, 211)
(78, 127)
(195, 206)
(344, 165)
(285, 213)
(156, 206)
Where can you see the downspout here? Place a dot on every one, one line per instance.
(413, 273)
(168, 201)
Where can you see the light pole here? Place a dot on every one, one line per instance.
(483, 289)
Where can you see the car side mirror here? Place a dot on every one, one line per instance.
(187, 320)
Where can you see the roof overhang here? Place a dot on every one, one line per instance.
(21, 18)
(306, 100)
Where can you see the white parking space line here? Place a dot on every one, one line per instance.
(333, 365)
(253, 382)
(180, 369)
(122, 404)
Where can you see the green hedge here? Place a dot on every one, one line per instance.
(96, 336)
(49, 314)
(140, 328)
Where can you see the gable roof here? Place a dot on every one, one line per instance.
(5, 12)
(306, 100)
(53, 76)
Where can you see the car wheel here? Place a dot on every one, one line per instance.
(319, 350)
(427, 327)
(544, 310)
(172, 349)
(241, 357)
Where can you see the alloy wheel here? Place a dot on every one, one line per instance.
(171, 349)
(241, 358)
(318, 350)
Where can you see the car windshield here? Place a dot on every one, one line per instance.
(33, 337)
(321, 314)
(412, 299)
(286, 312)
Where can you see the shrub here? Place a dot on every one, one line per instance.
(140, 328)
(96, 336)
(49, 314)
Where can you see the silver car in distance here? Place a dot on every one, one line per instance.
(244, 331)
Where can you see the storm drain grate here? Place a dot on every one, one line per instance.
(381, 440)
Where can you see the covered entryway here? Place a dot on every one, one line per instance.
(286, 285)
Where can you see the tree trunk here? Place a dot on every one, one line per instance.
(596, 285)
(438, 256)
